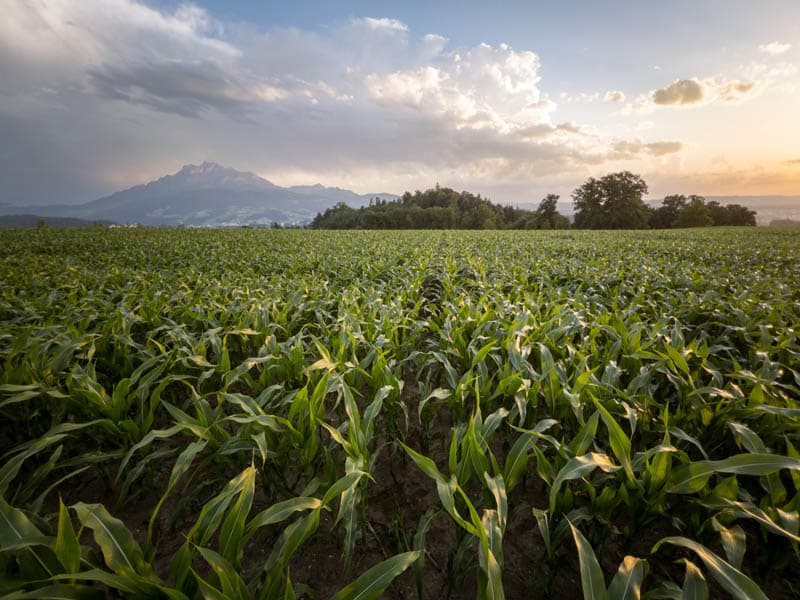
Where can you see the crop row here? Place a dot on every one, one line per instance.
(274, 414)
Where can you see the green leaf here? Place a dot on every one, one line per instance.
(517, 460)
(592, 582)
(181, 466)
(425, 464)
(120, 551)
(12, 465)
(543, 522)
(694, 584)
(156, 434)
(371, 584)
(291, 539)
(731, 579)
(577, 468)
(214, 510)
(342, 484)
(618, 439)
(497, 487)
(749, 510)
(230, 535)
(15, 529)
(733, 540)
(135, 585)
(288, 593)
(280, 511)
(748, 438)
(627, 583)
(581, 442)
(231, 583)
(425, 522)
(481, 355)
(66, 547)
(58, 591)
(678, 359)
(692, 477)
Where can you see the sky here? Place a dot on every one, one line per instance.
(512, 100)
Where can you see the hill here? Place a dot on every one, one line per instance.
(207, 195)
(441, 208)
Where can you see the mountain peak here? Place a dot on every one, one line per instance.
(211, 174)
(203, 169)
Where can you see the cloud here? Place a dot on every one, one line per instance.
(181, 87)
(588, 97)
(756, 79)
(681, 91)
(614, 96)
(383, 23)
(634, 148)
(567, 129)
(99, 94)
(733, 91)
(793, 161)
(775, 48)
(483, 86)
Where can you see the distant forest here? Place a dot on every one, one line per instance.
(611, 202)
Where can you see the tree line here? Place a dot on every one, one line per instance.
(615, 201)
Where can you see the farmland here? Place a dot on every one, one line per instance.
(279, 414)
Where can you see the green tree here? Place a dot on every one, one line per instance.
(665, 216)
(588, 201)
(731, 214)
(695, 214)
(740, 215)
(612, 202)
(547, 215)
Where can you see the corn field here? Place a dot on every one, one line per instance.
(355, 415)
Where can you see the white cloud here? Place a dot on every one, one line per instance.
(483, 86)
(614, 96)
(755, 79)
(587, 97)
(383, 23)
(95, 89)
(775, 48)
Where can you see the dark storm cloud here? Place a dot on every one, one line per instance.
(182, 88)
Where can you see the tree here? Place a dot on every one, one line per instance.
(665, 216)
(731, 214)
(741, 215)
(612, 202)
(695, 214)
(547, 215)
(588, 200)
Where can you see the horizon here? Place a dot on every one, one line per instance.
(511, 103)
(563, 201)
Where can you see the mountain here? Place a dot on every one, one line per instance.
(207, 195)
